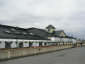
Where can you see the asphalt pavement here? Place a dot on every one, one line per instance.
(68, 56)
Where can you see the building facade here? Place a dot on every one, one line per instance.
(16, 37)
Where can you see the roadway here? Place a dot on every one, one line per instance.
(68, 56)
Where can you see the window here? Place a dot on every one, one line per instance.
(40, 43)
(45, 43)
(8, 44)
(13, 29)
(7, 31)
(0, 42)
(17, 32)
(21, 45)
(30, 44)
(24, 33)
(31, 33)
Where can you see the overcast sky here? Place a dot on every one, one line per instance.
(63, 14)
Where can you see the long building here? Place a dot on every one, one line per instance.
(16, 37)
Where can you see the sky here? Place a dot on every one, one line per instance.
(68, 15)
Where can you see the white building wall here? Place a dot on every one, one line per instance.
(74, 41)
(57, 39)
(13, 45)
(43, 44)
(2, 44)
(35, 44)
(25, 44)
(67, 40)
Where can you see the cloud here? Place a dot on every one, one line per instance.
(63, 14)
